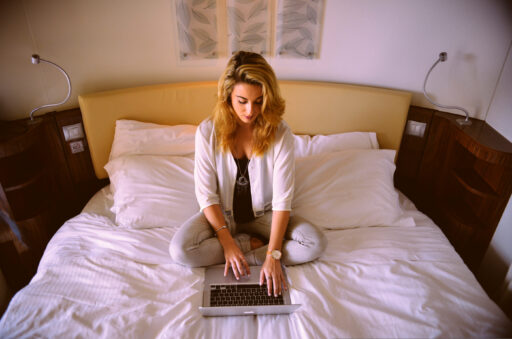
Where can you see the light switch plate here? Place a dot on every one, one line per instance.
(415, 128)
(73, 132)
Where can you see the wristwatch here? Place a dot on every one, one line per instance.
(276, 254)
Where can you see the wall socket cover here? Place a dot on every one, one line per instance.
(77, 146)
(415, 128)
(72, 132)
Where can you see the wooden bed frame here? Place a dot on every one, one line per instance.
(311, 108)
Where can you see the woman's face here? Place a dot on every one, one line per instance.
(247, 100)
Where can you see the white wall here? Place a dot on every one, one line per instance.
(500, 117)
(500, 111)
(120, 43)
(499, 255)
(392, 43)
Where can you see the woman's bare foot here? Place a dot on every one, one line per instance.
(256, 243)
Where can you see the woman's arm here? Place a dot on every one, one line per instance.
(272, 272)
(282, 192)
(205, 180)
(279, 224)
(205, 172)
(232, 253)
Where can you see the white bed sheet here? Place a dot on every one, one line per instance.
(97, 280)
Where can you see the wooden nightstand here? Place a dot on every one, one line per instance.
(25, 190)
(460, 176)
(42, 184)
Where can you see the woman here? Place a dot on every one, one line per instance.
(244, 180)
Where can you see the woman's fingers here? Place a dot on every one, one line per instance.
(270, 285)
(243, 268)
(275, 281)
(236, 260)
(285, 287)
(237, 268)
(277, 286)
(266, 277)
(233, 265)
(246, 266)
(226, 268)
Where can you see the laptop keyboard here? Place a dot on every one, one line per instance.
(242, 295)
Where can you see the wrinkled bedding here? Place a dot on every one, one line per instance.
(97, 280)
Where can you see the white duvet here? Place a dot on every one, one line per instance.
(97, 280)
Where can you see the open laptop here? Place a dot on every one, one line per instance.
(225, 296)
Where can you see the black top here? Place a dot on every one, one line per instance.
(242, 200)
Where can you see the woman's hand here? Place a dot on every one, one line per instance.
(233, 255)
(272, 273)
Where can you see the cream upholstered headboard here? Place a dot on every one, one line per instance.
(311, 108)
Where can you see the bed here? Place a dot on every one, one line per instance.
(388, 270)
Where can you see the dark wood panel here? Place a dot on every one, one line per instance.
(83, 181)
(25, 181)
(42, 184)
(463, 182)
(411, 152)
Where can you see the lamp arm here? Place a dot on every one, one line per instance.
(69, 88)
(441, 58)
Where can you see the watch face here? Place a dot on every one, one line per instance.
(276, 254)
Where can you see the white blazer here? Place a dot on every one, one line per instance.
(272, 174)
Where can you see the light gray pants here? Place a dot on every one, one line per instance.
(195, 243)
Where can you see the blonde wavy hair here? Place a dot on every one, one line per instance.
(253, 69)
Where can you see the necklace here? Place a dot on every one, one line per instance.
(242, 180)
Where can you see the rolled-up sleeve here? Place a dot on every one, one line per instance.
(284, 170)
(205, 174)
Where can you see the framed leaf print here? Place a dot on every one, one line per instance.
(286, 28)
(196, 22)
(249, 26)
(298, 29)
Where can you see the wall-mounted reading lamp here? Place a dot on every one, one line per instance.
(442, 57)
(36, 60)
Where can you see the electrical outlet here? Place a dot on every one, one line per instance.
(415, 128)
(72, 132)
(77, 146)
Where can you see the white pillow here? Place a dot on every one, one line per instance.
(135, 137)
(152, 191)
(306, 145)
(346, 189)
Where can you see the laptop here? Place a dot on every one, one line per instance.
(225, 296)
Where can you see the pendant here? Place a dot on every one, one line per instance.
(242, 181)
